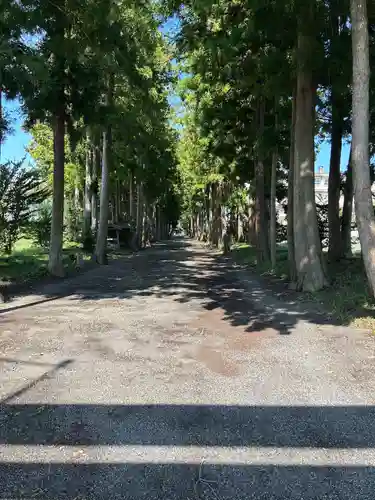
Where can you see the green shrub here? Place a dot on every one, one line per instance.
(39, 229)
(21, 193)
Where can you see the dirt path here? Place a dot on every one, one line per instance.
(164, 376)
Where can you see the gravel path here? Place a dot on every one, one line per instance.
(167, 375)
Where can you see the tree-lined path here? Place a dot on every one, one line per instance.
(198, 368)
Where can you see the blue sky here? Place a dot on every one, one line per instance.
(322, 158)
(15, 143)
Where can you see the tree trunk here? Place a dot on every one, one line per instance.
(239, 226)
(260, 205)
(307, 246)
(131, 197)
(290, 214)
(139, 222)
(55, 263)
(101, 241)
(334, 230)
(201, 223)
(94, 187)
(117, 203)
(206, 213)
(273, 211)
(214, 240)
(87, 212)
(347, 211)
(273, 215)
(251, 222)
(1, 121)
(77, 210)
(158, 223)
(217, 222)
(210, 212)
(152, 222)
(335, 244)
(145, 223)
(360, 137)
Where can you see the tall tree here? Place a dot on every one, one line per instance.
(307, 245)
(360, 137)
(101, 241)
(290, 215)
(94, 183)
(347, 211)
(55, 263)
(61, 48)
(263, 253)
(338, 69)
(334, 182)
(273, 214)
(88, 209)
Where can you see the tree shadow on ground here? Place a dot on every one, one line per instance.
(327, 427)
(176, 481)
(157, 455)
(186, 271)
(348, 297)
(276, 452)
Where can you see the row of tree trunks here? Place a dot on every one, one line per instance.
(310, 273)
(208, 222)
(95, 221)
(307, 267)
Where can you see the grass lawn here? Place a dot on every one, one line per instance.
(245, 254)
(347, 299)
(28, 262)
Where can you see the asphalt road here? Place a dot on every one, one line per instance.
(168, 375)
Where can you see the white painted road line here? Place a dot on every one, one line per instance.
(188, 455)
